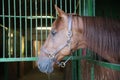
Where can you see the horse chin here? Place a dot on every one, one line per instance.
(45, 65)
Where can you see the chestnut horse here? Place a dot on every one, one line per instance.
(71, 32)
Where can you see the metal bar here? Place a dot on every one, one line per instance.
(31, 28)
(75, 7)
(61, 4)
(56, 4)
(80, 11)
(20, 28)
(28, 17)
(46, 16)
(36, 52)
(79, 65)
(106, 64)
(74, 67)
(51, 11)
(93, 1)
(90, 7)
(26, 29)
(84, 10)
(66, 6)
(41, 22)
(70, 7)
(9, 31)
(18, 59)
(14, 28)
(92, 72)
(3, 18)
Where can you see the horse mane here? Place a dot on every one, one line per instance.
(102, 34)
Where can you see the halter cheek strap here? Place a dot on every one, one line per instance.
(52, 55)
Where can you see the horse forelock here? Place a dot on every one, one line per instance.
(102, 35)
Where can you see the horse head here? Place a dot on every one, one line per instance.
(65, 37)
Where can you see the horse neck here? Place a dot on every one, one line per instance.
(102, 37)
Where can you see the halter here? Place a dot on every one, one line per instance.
(52, 55)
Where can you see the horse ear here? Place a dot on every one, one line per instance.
(60, 12)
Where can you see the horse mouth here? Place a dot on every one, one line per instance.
(45, 65)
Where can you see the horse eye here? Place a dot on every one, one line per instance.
(53, 32)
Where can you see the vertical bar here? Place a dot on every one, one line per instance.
(9, 31)
(25, 28)
(74, 67)
(93, 1)
(61, 4)
(15, 28)
(70, 7)
(31, 27)
(75, 6)
(3, 28)
(90, 7)
(79, 65)
(51, 10)
(84, 10)
(20, 28)
(46, 16)
(92, 72)
(80, 9)
(56, 4)
(66, 6)
(41, 22)
(36, 28)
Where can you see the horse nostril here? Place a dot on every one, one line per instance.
(53, 32)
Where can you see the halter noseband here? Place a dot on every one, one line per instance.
(52, 55)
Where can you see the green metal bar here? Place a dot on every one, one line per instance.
(20, 28)
(75, 6)
(28, 17)
(26, 29)
(66, 6)
(92, 72)
(84, 6)
(79, 65)
(90, 7)
(70, 7)
(9, 31)
(51, 11)
(3, 18)
(93, 7)
(46, 18)
(18, 59)
(36, 52)
(74, 68)
(61, 4)
(14, 28)
(41, 22)
(80, 2)
(56, 4)
(31, 28)
(105, 64)
(73, 65)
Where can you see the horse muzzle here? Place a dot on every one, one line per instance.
(45, 64)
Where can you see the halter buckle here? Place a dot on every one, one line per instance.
(51, 56)
(62, 64)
